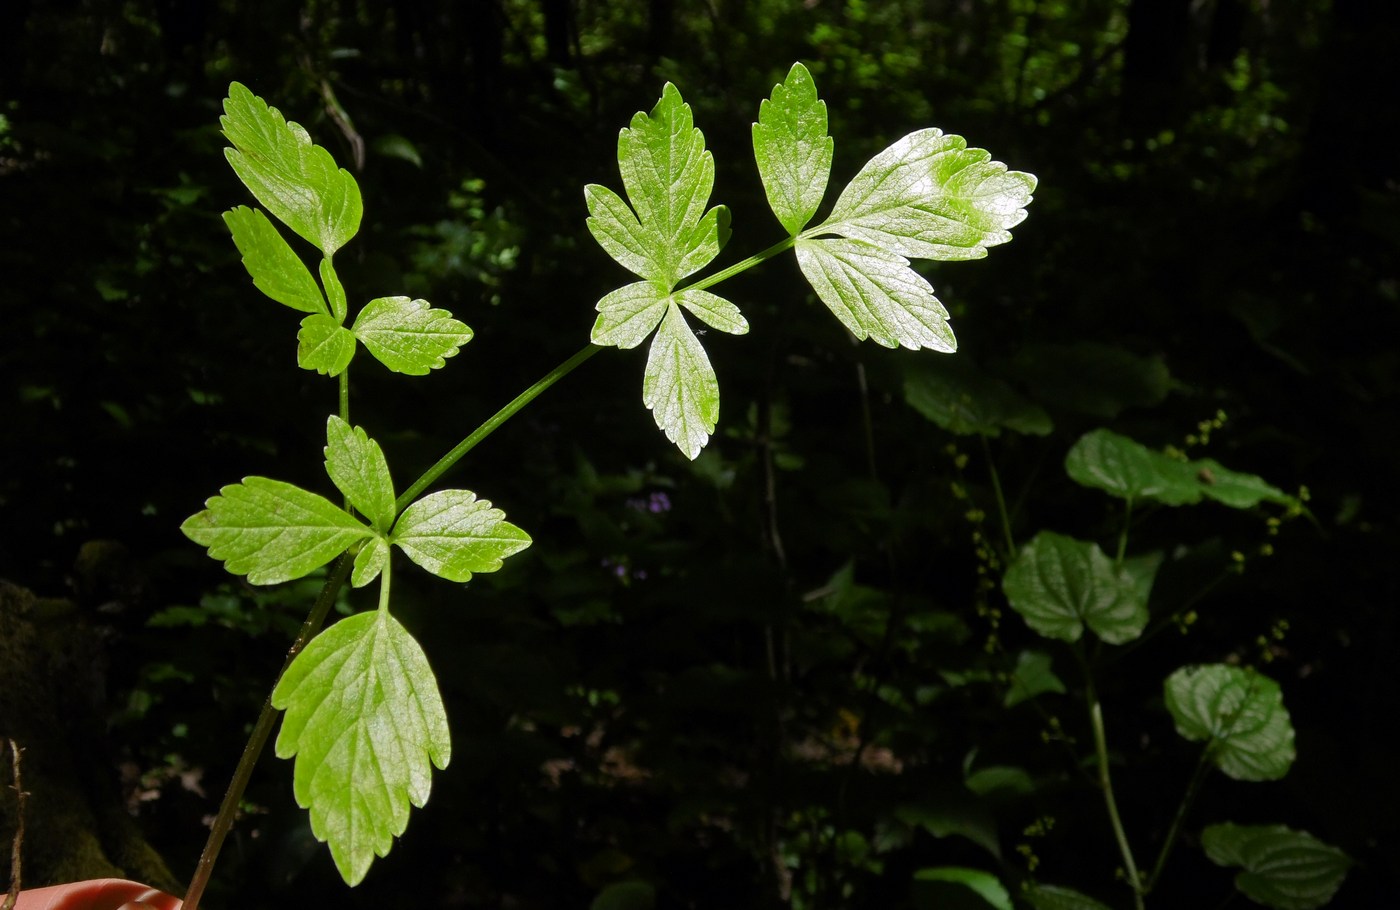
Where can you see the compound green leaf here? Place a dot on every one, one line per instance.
(296, 180)
(356, 465)
(276, 270)
(1283, 869)
(983, 884)
(364, 720)
(680, 387)
(409, 336)
(929, 196)
(1238, 713)
(453, 534)
(369, 562)
(1053, 897)
(1033, 676)
(629, 314)
(272, 531)
(792, 149)
(1059, 585)
(714, 311)
(668, 176)
(1122, 467)
(953, 393)
(335, 291)
(324, 345)
(875, 294)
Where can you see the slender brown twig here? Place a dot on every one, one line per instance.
(16, 845)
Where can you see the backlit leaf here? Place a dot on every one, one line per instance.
(295, 180)
(792, 149)
(364, 720)
(629, 314)
(453, 534)
(929, 196)
(1238, 713)
(668, 176)
(324, 345)
(876, 294)
(1059, 585)
(276, 270)
(1283, 869)
(714, 311)
(272, 531)
(409, 336)
(680, 387)
(356, 465)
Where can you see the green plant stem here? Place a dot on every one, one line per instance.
(268, 716)
(1000, 497)
(1174, 832)
(743, 266)
(228, 810)
(1106, 787)
(345, 394)
(1123, 535)
(486, 429)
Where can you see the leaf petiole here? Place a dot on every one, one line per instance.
(743, 266)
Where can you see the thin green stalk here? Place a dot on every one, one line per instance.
(345, 394)
(1123, 535)
(1173, 833)
(228, 810)
(1106, 787)
(1000, 497)
(489, 427)
(386, 578)
(743, 266)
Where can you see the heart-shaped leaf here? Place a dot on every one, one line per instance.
(1059, 585)
(1283, 869)
(1239, 713)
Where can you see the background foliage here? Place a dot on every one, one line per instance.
(772, 676)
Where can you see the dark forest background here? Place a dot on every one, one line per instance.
(764, 678)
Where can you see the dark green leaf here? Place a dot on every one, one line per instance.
(1121, 467)
(1032, 676)
(1239, 713)
(364, 720)
(1059, 585)
(983, 884)
(960, 398)
(625, 896)
(1052, 897)
(1283, 869)
(1091, 378)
